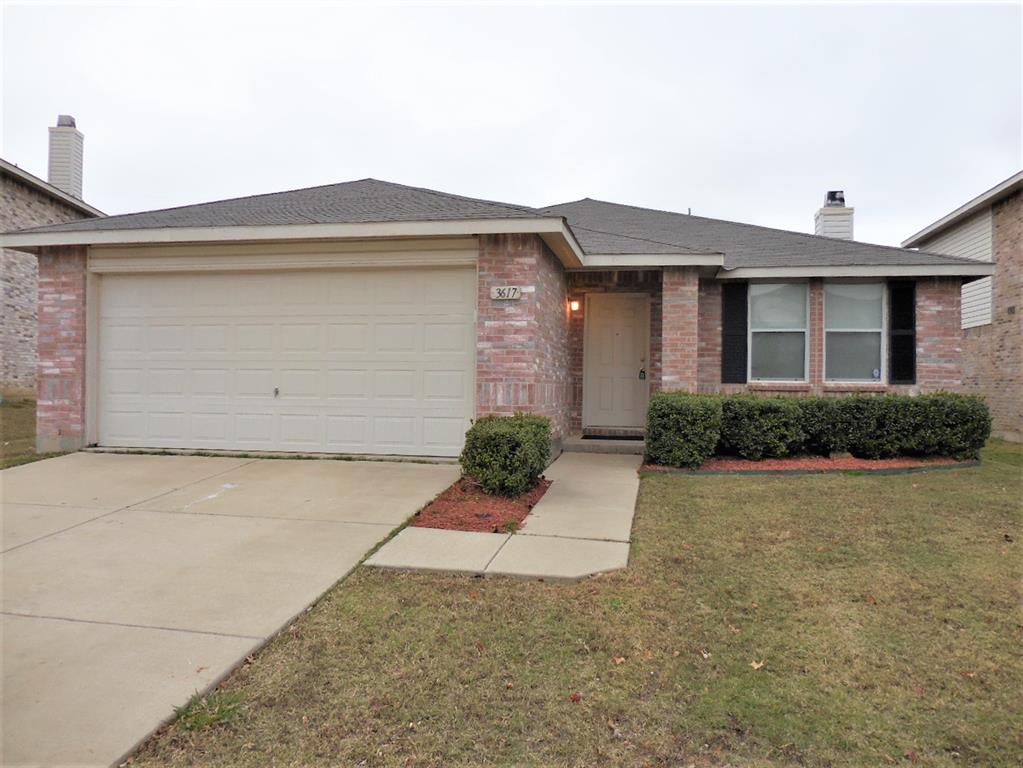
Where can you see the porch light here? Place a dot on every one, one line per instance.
(574, 305)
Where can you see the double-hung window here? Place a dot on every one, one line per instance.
(854, 320)
(777, 331)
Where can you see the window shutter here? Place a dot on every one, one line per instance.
(902, 332)
(733, 333)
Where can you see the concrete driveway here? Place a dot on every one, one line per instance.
(131, 581)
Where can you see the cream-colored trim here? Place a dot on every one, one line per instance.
(565, 244)
(93, 285)
(992, 196)
(916, 270)
(283, 255)
(655, 260)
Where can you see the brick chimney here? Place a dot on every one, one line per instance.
(65, 168)
(833, 219)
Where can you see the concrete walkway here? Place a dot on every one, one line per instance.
(580, 527)
(130, 581)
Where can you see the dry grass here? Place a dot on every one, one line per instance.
(18, 433)
(885, 612)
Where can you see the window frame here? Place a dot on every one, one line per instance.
(750, 331)
(882, 331)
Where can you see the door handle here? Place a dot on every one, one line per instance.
(277, 391)
(642, 374)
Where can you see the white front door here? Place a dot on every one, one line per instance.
(341, 361)
(616, 360)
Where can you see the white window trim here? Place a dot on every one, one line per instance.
(883, 330)
(749, 335)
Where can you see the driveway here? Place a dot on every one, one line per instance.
(132, 581)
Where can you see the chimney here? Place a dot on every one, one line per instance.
(65, 171)
(834, 219)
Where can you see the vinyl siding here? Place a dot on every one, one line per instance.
(971, 239)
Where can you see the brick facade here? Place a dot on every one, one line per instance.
(60, 403)
(529, 351)
(679, 328)
(993, 354)
(938, 343)
(522, 347)
(22, 206)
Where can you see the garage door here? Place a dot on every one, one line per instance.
(349, 361)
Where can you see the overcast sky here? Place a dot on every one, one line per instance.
(747, 113)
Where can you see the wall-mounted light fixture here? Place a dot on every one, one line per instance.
(574, 305)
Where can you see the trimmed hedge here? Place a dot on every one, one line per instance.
(682, 430)
(946, 424)
(760, 427)
(819, 422)
(507, 454)
(685, 430)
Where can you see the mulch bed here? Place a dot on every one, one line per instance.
(812, 465)
(465, 507)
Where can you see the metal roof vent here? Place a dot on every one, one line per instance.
(834, 198)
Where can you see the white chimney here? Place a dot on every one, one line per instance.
(834, 219)
(65, 171)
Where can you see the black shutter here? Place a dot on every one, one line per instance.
(733, 333)
(902, 332)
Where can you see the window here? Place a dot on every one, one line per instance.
(777, 323)
(853, 331)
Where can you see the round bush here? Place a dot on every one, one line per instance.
(507, 454)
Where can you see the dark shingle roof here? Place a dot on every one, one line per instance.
(744, 245)
(600, 227)
(353, 202)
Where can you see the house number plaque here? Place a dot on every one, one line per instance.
(506, 292)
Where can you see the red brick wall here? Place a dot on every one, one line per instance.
(709, 344)
(60, 377)
(582, 283)
(522, 347)
(679, 328)
(939, 357)
(993, 354)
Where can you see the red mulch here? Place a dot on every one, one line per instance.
(465, 507)
(809, 464)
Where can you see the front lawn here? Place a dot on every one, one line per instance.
(18, 433)
(798, 621)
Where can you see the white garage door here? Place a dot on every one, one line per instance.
(345, 361)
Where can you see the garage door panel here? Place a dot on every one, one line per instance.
(388, 371)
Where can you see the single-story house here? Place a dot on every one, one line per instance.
(371, 317)
(989, 228)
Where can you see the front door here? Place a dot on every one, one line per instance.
(616, 360)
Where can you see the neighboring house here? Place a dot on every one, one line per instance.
(371, 317)
(989, 228)
(27, 201)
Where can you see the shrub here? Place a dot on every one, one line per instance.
(760, 427)
(874, 426)
(682, 429)
(946, 424)
(818, 419)
(507, 454)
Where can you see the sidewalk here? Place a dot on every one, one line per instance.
(580, 527)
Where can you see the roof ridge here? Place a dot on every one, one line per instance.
(641, 239)
(438, 193)
(806, 235)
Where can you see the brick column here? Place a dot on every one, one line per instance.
(939, 338)
(60, 375)
(679, 329)
(522, 347)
